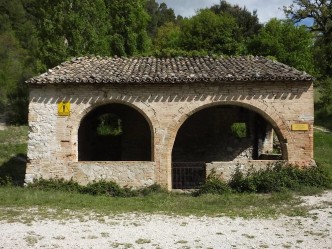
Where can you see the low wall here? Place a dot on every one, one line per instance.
(129, 173)
(226, 169)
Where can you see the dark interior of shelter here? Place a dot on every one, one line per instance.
(114, 132)
(219, 134)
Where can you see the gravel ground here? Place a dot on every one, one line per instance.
(162, 231)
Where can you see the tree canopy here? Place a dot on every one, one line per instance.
(286, 42)
(320, 11)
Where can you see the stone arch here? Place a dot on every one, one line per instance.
(139, 107)
(266, 111)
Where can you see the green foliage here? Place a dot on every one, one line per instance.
(55, 184)
(213, 185)
(167, 37)
(107, 188)
(248, 22)
(167, 53)
(320, 11)
(321, 14)
(287, 43)
(109, 124)
(13, 94)
(323, 148)
(96, 188)
(129, 21)
(279, 177)
(323, 114)
(69, 28)
(159, 15)
(211, 32)
(239, 130)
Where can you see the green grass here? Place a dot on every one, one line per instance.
(323, 150)
(244, 205)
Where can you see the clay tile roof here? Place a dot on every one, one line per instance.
(169, 70)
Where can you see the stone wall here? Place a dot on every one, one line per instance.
(131, 173)
(225, 170)
(53, 139)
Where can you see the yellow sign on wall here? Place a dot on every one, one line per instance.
(300, 127)
(64, 108)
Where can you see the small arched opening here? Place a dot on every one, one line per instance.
(114, 132)
(221, 133)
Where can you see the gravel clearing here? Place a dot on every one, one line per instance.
(130, 230)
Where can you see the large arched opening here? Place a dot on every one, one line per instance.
(222, 133)
(114, 132)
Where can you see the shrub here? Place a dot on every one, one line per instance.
(154, 188)
(58, 184)
(279, 177)
(102, 187)
(108, 188)
(6, 181)
(213, 185)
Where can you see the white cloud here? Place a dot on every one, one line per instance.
(265, 9)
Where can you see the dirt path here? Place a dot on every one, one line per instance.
(322, 129)
(161, 231)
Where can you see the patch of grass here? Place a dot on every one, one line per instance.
(323, 148)
(42, 204)
(121, 245)
(31, 240)
(143, 241)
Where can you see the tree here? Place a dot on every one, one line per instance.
(168, 37)
(67, 28)
(319, 10)
(129, 21)
(292, 45)
(159, 15)
(15, 63)
(211, 32)
(248, 22)
(321, 13)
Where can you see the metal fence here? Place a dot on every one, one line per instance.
(188, 175)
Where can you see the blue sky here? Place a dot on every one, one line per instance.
(265, 9)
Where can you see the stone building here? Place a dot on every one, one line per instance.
(139, 121)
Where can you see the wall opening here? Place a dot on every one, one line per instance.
(218, 134)
(114, 132)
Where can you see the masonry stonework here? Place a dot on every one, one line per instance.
(53, 139)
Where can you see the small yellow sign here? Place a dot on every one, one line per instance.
(300, 127)
(64, 108)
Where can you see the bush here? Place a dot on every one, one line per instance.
(102, 187)
(57, 184)
(213, 185)
(154, 188)
(277, 178)
(6, 181)
(108, 188)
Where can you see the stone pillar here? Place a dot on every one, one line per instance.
(267, 141)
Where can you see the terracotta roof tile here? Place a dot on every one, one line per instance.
(169, 70)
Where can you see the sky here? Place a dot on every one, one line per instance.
(266, 9)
